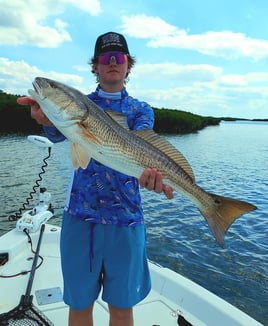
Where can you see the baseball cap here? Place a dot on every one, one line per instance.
(110, 41)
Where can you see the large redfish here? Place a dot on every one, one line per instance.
(105, 136)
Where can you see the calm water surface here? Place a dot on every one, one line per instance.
(230, 160)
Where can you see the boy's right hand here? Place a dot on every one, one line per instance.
(36, 112)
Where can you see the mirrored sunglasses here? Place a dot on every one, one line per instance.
(105, 58)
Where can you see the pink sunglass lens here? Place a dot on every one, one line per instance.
(106, 58)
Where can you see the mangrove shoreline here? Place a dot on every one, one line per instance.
(15, 118)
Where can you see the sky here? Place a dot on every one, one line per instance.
(202, 56)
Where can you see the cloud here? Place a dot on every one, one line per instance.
(142, 26)
(201, 89)
(226, 44)
(253, 79)
(233, 80)
(179, 73)
(17, 76)
(26, 22)
(93, 7)
(196, 74)
(209, 100)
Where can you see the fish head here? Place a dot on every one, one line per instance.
(62, 104)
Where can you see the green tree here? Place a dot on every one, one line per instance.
(15, 118)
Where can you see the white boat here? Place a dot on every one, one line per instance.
(26, 281)
(172, 296)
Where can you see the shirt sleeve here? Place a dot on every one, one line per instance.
(53, 134)
(141, 116)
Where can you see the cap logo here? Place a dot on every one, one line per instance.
(111, 39)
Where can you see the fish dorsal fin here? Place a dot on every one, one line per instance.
(79, 157)
(167, 148)
(118, 117)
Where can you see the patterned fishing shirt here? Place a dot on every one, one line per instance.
(98, 193)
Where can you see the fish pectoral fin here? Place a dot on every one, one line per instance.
(79, 157)
(92, 138)
(167, 148)
(118, 117)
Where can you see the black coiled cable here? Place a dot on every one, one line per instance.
(17, 215)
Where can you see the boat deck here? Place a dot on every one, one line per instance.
(171, 293)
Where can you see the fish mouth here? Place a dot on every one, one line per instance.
(37, 88)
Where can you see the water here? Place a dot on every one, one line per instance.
(230, 159)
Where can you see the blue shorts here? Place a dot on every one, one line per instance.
(108, 257)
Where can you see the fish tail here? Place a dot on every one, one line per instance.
(222, 214)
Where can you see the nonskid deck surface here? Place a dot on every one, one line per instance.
(172, 294)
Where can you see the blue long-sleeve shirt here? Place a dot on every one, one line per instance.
(99, 193)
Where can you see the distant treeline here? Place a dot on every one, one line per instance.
(15, 118)
(181, 122)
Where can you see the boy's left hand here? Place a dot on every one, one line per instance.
(151, 179)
